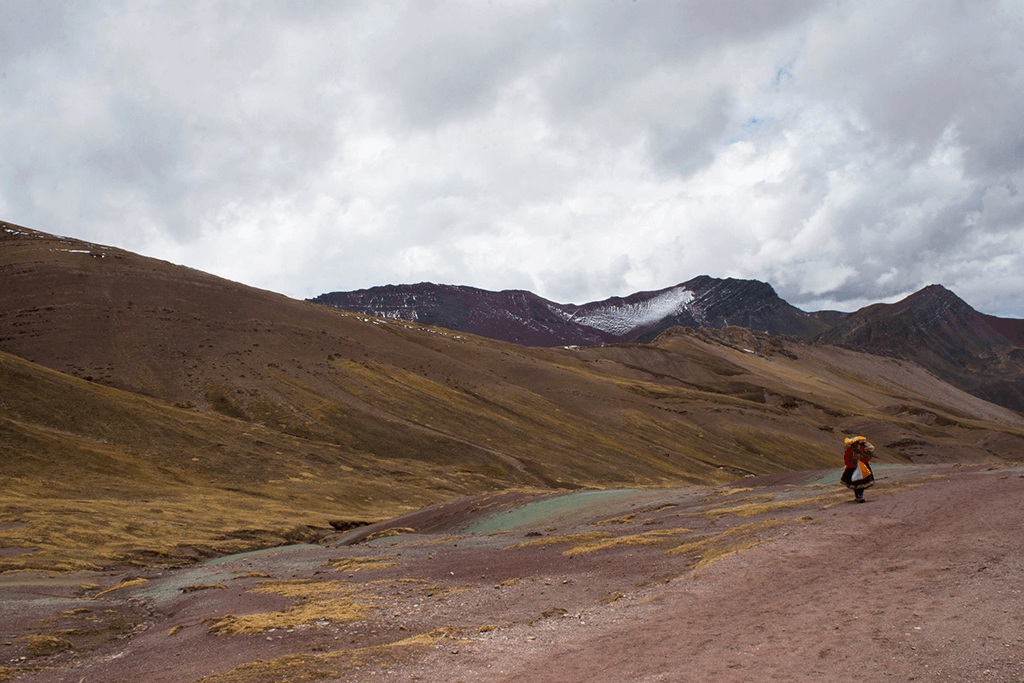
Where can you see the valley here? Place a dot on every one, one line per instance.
(155, 419)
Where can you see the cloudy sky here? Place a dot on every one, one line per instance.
(845, 152)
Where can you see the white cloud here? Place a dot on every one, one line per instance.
(844, 152)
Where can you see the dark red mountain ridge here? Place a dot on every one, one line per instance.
(979, 353)
(982, 354)
(522, 317)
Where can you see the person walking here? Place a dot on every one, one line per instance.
(857, 475)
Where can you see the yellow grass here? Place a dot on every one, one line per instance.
(127, 583)
(624, 519)
(718, 546)
(567, 538)
(758, 508)
(405, 581)
(447, 539)
(319, 601)
(509, 582)
(44, 645)
(660, 536)
(331, 665)
(355, 564)
(746, 500)
(72, 533)
(385, 533)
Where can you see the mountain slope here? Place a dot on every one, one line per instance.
(525, 318)
(151, 394)
(514, 316)
(981, 354)
(716, 303)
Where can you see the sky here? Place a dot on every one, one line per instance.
(845, 152)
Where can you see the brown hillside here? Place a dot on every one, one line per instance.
(939, 331)
(132, 385)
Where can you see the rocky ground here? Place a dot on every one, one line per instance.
(781, 578)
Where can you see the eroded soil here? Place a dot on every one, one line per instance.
(780, 578)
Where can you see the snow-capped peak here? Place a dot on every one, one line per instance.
(623, 318)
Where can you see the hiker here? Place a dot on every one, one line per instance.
(858, 475)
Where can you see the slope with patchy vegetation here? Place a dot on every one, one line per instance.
(153, 413)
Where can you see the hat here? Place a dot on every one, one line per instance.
(854, 439)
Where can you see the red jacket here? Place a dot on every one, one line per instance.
(853, 454)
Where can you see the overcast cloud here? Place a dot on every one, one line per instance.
(845, 152)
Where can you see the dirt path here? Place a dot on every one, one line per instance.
(772, 579)
(923, 584)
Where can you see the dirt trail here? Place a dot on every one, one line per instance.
(923, 584)
(779, 578)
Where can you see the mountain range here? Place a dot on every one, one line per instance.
(521, 317)
(934, 328)
(155, 414)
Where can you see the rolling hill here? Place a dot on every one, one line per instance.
(981, 354)
(151, 413)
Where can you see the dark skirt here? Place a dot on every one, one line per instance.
(860, 484)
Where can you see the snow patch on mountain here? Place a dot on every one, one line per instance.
(622, 319)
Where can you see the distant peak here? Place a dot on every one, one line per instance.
(936, 294)
(935, 290)
(618, 316)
